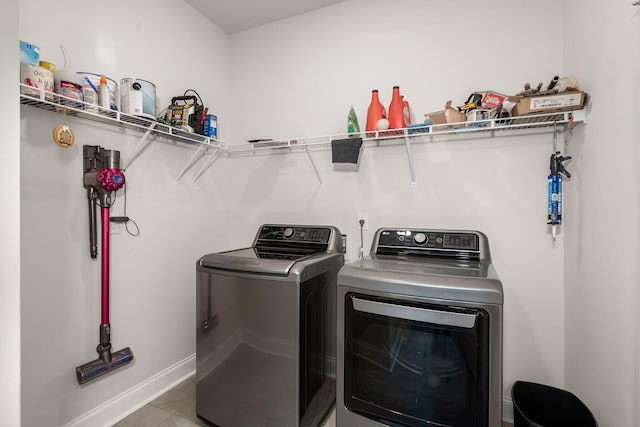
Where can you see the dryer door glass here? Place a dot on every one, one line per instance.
(416, 364)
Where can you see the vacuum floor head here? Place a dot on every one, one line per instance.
(98, 367)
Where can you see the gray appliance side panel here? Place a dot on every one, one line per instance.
(455, 288)
(247, 353)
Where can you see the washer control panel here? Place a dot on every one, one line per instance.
(294, 234)
(453, 243)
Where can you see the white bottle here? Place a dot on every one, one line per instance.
(104, 96)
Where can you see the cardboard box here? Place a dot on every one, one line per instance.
(442, 119)
(566, 101)
(492, 100)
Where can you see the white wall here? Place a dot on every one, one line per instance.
(298, 77)
(152, 276)
(10, 221)
(602, 334)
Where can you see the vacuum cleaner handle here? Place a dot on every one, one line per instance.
(93, 239)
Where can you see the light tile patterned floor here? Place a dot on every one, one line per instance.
(177, 408)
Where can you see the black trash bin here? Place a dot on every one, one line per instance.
(538, 405)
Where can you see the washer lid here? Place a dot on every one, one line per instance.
(448, 279)
(253, 260)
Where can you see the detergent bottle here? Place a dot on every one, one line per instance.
(406, 112)
(375, 112)
(396, 116)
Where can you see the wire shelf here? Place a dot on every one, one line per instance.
(416, 133)
(42, 99)
(427, 132)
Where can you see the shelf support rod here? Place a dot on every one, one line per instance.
(144, 141)
(407, 142)
(208, 163)
(306, 149)
(191, 161)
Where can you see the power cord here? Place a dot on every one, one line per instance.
(125, 219)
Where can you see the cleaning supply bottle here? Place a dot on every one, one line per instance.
(406, 112)
(104, 97)
(375, 112)
(396, 116)
(352, 122)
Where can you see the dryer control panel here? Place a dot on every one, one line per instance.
(423, 242)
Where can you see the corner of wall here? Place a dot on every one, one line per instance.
(10, 349)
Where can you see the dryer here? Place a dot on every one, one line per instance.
(420, 332)
(265, 338)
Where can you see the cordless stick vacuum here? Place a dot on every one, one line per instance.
(102, 178)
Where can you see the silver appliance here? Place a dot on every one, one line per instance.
(420, 332)
(266, 330)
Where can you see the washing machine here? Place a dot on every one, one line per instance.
(266, 329)
(420, 332)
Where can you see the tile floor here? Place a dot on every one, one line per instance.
(177, 408)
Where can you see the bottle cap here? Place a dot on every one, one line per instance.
(103, 80)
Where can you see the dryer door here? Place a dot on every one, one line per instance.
(416, 364)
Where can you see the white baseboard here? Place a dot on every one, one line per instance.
(507, 410)
(136, 397)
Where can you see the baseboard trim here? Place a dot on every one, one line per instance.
(136, 397)
(117, 408)
(507, 410)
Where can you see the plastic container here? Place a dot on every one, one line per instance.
(69, 85)
(29, 53)
(104, 98)
(406, 112)
(375, 112)
(396, 110)
(138, 97)
(90, 83)
(538, 405)
(39, 78)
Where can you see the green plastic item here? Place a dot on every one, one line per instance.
(352, 122)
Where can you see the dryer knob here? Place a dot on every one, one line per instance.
(288, 232)
(420, 238)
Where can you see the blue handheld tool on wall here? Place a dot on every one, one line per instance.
(554, 202)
